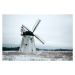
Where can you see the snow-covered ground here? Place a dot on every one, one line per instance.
(38, 56)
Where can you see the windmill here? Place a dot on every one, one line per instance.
(28, 43)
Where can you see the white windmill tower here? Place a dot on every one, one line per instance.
(28, 43)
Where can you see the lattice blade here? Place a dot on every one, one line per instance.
(36, 24)
(42, 41)
(25, 27)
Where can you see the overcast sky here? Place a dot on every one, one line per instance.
(56, 30)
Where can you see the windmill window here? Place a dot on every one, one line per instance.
(26, 44)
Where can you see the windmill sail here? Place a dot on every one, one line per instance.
(25, 27)
(36, 24)
(42, 41)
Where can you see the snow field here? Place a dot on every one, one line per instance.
(38, 56)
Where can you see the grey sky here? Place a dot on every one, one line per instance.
(56, 30)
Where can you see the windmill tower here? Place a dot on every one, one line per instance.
(28, 43)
